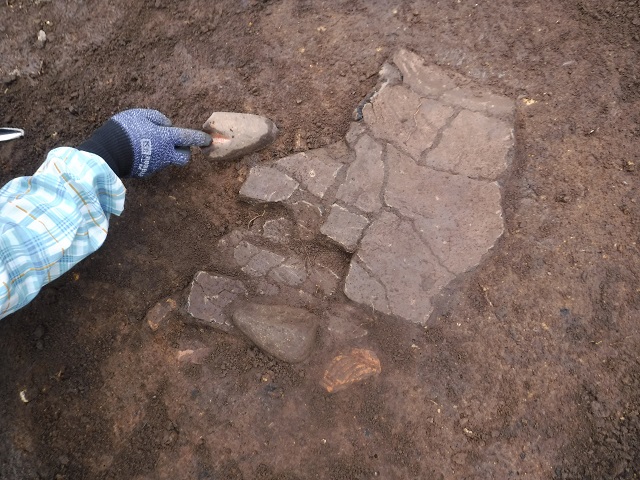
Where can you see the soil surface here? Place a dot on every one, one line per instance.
(528, 366)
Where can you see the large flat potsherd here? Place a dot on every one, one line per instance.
(287, 333)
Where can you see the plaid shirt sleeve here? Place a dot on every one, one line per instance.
(52, 220)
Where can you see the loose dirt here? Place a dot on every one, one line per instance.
(529, 366)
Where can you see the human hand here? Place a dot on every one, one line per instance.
(140, 142)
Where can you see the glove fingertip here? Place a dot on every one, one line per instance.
(182, 156)
(192, 138)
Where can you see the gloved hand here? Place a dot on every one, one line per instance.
(139, 142)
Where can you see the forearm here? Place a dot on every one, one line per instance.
(52, 220)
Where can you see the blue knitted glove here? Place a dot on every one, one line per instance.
(139, 142)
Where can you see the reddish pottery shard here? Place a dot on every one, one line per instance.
(347, 369)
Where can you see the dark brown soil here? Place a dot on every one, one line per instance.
(530, 365)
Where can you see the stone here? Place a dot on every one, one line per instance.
(292, 272)
(237, 134)
(349, 368)
(308, 218)
(244, 252)
(344, 228)
(262, 262)
(489, 103)
(279, 230)
(362, 287)
(323, 279)
(340, 152)
(267, 184)
(473, 145)
(365, 177)
(158, 315)
(402, 265)
(316, 171)
(402, 118)
(356, 130)
(425, 80)
(285, 332)
(266, 288)
(210, 297)
(459, 218)
(411, 193)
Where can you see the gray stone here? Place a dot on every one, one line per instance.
(356, 130)
(237, 134)
(316, 171)
(292, 272)
(399, 116)
(473, 145)
(278, 230)
(363, 288)
(459, 218)
(263, 261)
(340, 152)
(417, 204)
(489, 103)
(287, 333)
(402, 264)
(323, 279)
(308, 218)
(425, 80)
(344, 228)
(365, 176)
(267, 184)
(231, 239)
(266, 288)
(244, 252)
(210, 296)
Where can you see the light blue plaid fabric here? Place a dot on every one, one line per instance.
(52, 220)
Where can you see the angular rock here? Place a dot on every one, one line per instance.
(157, 316)
(344, 227)
(323, 279)
(292, 272)
(316, 171)
(237, 134)
(425, 80)
(362, 287)
(459, 218)
(211, 295)
(356, 130)
(266, 288)
(244, 252)
(340, 152)
(399, 116)
(365, 177)
(260, 264)
(473, 145)
(489, 103)
(308, 218)
(279, 230)
(266, 184)
(287, 333)
(402, 265)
